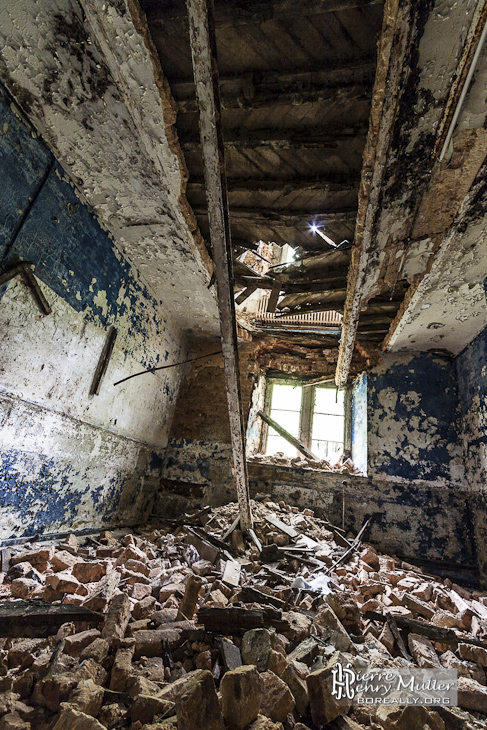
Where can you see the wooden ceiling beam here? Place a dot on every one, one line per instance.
(285, 218)
(336, 94)
(291, 139)
(228, 14)
(332, 184)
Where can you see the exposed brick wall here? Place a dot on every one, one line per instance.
(202, 409)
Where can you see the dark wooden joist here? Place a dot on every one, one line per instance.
(338, 93)
(38, 619)
(205, 69)
(286, 217)
(283, 139)
(302, 287)
(23, 270)
(234, 14)
(284, 185)
(300, 300)
(317, 276)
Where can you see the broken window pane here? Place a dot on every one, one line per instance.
(328, 427)
(285, 410)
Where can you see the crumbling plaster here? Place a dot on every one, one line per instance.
(68, 459)
(85, 77)
(422, 197)
(413, 421)
(448, 308)
(439, 30)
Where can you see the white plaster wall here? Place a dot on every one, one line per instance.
(50, 361)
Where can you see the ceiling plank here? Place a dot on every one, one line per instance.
(286, 218)
(233, 14)
(328, 183)
(339, 94)
(287, 139)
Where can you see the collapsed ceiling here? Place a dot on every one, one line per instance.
(334, 115)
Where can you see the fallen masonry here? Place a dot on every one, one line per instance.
(188, 626)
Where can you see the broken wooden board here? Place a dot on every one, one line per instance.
(37, 619)
(286, 435)
(231, 574)
(235, 620)
(287, 529)
(248, 594)
(435, 633)
(205, 549)
(212, 539)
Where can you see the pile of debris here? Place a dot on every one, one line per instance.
(342, 465)
(187, 626)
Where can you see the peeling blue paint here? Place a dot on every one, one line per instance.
(70, 251)
(43, 490)
(418, 404)
(42, 220)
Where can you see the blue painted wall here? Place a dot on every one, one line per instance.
(68, 460)
(413, 419)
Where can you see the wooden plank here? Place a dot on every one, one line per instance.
(231, 574)
(245, 294)
(102, 365)
(205, 69)
(282, 432)
(11, 273)
(212, 539)
(205, 549)
(255, 540)
(287, 529)
(435, 633)
(264, 100)
(230, 14)
(23, 270)
(232, 527)
(250, 594)
(274, 297)
(36, 291)
(230, 620)
(283, 216)
(37, 619)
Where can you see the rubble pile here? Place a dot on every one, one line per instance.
(194, 626)
(342, 465)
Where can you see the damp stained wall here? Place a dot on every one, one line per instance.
(406, 432)
(413, 420)
(69, 460)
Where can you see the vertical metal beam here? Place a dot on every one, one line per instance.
(203, 52)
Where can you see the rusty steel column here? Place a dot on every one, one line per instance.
(203, 52)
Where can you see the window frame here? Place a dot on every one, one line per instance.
(307, 411)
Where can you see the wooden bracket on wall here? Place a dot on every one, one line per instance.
(23, 270)
(105, 356)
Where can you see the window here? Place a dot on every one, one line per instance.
(317, 415)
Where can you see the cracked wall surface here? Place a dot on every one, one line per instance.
(85, 76)
(69, 460)
(413, 420)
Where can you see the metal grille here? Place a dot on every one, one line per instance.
(313, 318)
